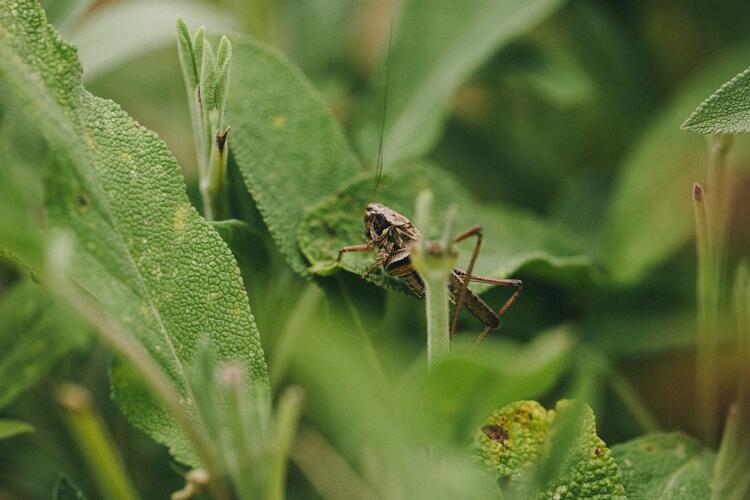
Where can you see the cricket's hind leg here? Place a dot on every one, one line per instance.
(517, 284)
(474, 231)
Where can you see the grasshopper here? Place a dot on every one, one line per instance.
(393, 236)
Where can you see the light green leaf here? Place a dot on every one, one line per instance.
(651, 213)
(288, 147)
(727, 111)
(35, 333)
(665, 466)
(519, 437)
(65, 490)
(10, 428)
(119, 32)
(436, 47)
(141, 250)
(513, 239)
(463, 388)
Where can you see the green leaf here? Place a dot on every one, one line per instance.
(727, 111)
(10, 428)
(650, 215)
(35, 333)
(116, 33)
(463, 388)
(141, 250)
(520, 436)
(21, 194)
(436, 47)
(513, 239)
(665, 466)
(288, 147)
(65, 490)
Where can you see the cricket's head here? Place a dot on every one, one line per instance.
(385, 224)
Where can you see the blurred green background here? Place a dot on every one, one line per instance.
(575, 120)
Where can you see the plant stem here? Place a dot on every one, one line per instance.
(707, 319)
(287, 416)
(95, 444)
(434, 262)
(438, 328)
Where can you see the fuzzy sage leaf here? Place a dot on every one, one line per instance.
(141, 250)
(521, 440)
(289, 149)
(726, 111)
(665, 465)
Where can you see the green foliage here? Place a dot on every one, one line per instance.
(289, 149)
(665, 465)
(649, 215)
(727, 111)
(35, 333)
(523, 435)
(65, 490)
(337, 222)
(428, 69)
(10, 428)
(462, 389)
(116, 33)
(142, 250)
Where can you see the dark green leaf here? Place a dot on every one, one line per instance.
(141, 250)
(35, 333)
(727, 111)
(287, 145)
(665, 466)
(436, 47)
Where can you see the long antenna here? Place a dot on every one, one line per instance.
(379, 163)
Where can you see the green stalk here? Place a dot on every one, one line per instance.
(731, 480)
(287, 417)
(95, 444)
(434, 261)
(707, 319)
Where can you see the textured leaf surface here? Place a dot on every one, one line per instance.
(514, 439)
(727, 111)
(287, 145)
(437, 45)
(651, 213)
(665, 466)
(65, 490)
(35, 333)
(10, 428)
(142, 251)
(512, 238)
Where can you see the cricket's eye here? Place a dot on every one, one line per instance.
(379, 224)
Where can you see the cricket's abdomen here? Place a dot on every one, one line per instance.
(473, 303)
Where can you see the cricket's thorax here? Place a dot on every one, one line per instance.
(392, 235)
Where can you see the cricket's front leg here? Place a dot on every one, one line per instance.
(353, 248)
